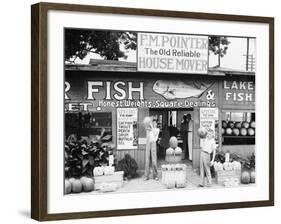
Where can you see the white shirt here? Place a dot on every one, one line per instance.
(208, 145)
(153, 134)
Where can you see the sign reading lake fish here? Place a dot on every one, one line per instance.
(172, 53)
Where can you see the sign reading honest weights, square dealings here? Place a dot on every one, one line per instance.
(172, 53)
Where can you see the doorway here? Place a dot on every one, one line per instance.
(169, 122)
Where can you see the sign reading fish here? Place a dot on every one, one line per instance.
(172, 53)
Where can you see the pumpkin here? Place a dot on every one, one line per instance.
(67, 187)
(170, 151)
(245, 177)
(202, 132)
(238, 125)
(178, 150)
(71, 179)
(98, 171)
(245, 124)
(252, 176)
(224, 124)
(87, 184)
(228, 131)
(243, 131)
(76, 186)
(253, 124)
(251, 131)
(235, 131)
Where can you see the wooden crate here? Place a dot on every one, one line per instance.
(221, 175)
(116, 178)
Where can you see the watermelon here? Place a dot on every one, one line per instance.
(238, 125)
(243, 131)
(222, 131)
(251, 131)
(228, 131)
(224, 124)
(245, 124)
(235, 131)
(253, 124)
(230, 124)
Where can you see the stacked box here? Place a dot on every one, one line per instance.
(225, 175)
(174, 175)
(116, 177)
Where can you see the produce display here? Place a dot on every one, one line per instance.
(231, 128)
(236, 170)
(174, 175)
(73, 185)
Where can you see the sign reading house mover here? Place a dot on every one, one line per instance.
(172, 53)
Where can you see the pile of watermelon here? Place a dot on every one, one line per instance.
(237, 128)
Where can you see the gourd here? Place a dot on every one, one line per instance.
(67, 187)
(245, 177)
(76, 186)
(87, 184)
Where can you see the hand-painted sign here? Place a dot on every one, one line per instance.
(127, 136)
(172, 53)
(238, 92)
(101, 93)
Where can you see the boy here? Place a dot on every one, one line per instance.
(208, 147)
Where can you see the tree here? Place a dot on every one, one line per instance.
(79, 43)
(218, 45)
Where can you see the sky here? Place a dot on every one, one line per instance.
(235, 57)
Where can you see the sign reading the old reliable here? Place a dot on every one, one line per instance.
(172, 53)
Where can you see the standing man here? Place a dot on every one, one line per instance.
(184, 135)
(208, 147)
(152, 133)
(189, 136)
